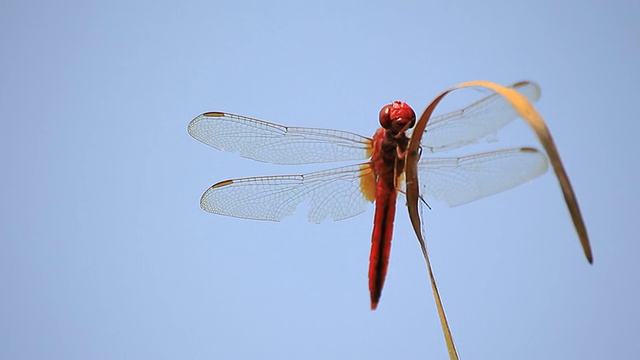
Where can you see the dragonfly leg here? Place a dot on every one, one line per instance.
(419, 197)
(402, 131)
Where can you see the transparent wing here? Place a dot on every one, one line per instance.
(338, 193)
(267, 142)
(476, 121)
(458, 181)
(334, 193)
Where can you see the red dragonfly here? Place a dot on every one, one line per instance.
(346, 191)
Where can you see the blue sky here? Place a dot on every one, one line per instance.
(106, 254)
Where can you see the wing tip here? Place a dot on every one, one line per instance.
(529, 89)
(194, 122)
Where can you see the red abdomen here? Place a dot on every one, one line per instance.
(381, 239)
(388, 166)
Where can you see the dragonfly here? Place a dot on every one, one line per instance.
(346, 191)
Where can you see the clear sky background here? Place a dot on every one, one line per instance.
(106, 254)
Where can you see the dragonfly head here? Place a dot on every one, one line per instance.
(397, 117)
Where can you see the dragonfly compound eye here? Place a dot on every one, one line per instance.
(385, 116)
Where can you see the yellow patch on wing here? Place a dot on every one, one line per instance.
(368, 182)
(369, 148)
(400, 181)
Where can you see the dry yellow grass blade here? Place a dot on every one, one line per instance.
(528, 113)
(448, 338)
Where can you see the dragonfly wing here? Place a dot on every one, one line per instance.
(476, 121)
(335, 193)
(458, 181)
(267, 142)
